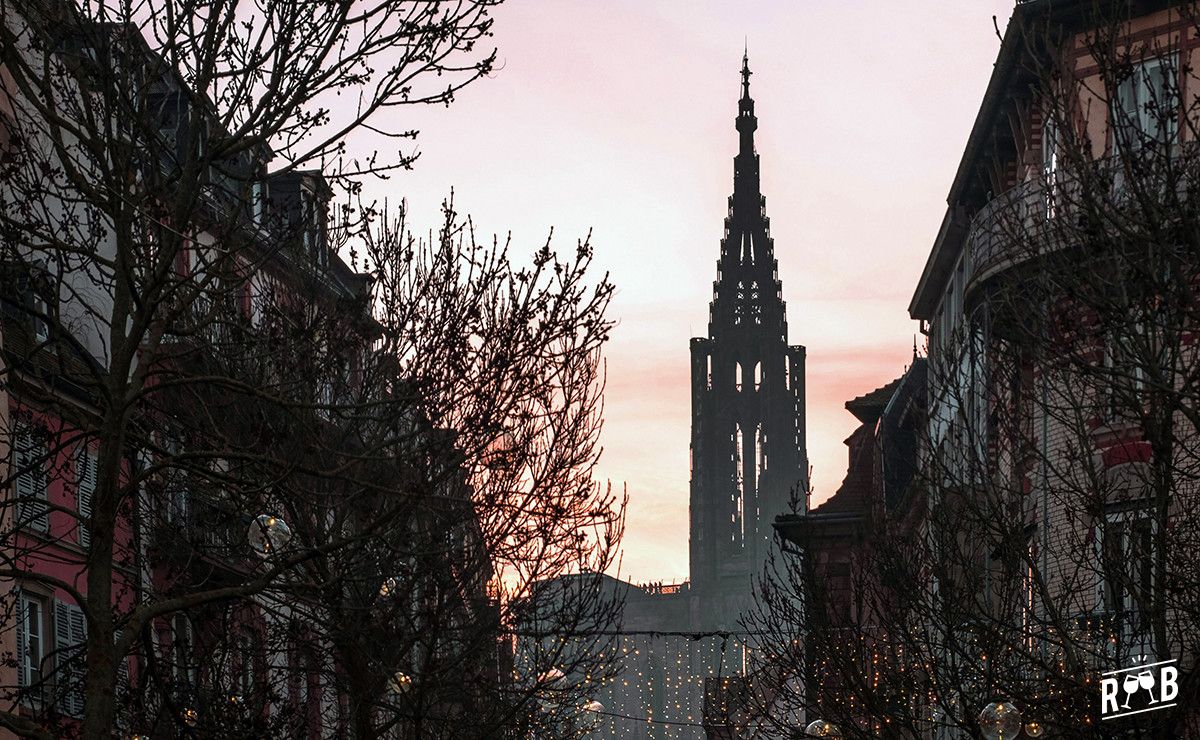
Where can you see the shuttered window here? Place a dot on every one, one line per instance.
(29, 487)
(85, 488)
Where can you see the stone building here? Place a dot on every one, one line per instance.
(748, 436)
(749, 465)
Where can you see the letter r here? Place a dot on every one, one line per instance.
(1108, 693)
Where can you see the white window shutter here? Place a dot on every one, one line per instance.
(22, 639)
(70, 638)
(64, 675)
(79, 638)
(85, 470)
(30, 485)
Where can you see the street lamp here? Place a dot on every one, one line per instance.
(821, 728)
(1000, 720)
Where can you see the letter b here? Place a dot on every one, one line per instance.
(1170, 686)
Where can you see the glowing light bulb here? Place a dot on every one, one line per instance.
(400, 682)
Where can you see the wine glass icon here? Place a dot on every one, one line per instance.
(1146, 681)
(1130, 684)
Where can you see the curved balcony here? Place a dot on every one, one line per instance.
(1007, 231)
(1024, 222)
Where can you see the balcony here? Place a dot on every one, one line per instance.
(1007, 231)
(1117, 194)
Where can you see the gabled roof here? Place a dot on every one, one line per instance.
(867, 407)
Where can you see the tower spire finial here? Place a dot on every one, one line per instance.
(746, 71)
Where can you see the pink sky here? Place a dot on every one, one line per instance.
(618, 116)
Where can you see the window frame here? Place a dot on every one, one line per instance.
(1127, 594)
(25, 665)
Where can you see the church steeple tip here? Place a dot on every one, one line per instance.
(746, 122)
(746, 72)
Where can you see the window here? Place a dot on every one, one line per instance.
(1125, 375)
(178, 495)
(85, 488)
(1050, 165)
(1029, 590)
(41, 323)
(31, 640)
(259, 195)
(1146, 107)
(1126, 544)
(36, 642)
(30, 486)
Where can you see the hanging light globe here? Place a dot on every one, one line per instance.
(551, 676)
(1000, 720)
(268, 534)
(593, 706)
(388, 587)
(821, 728)
(1033, 728)
(190, 717)
(400, 682)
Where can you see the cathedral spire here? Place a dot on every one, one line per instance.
(746, 73)
(748, 451)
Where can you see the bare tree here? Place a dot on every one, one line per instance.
(278, 467)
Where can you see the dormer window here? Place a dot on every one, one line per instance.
(313, 229)
(258, 205)
(41, 326)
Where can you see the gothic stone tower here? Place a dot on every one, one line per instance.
(748, 437)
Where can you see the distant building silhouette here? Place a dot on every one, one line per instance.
(748, 437)
(748, 463)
